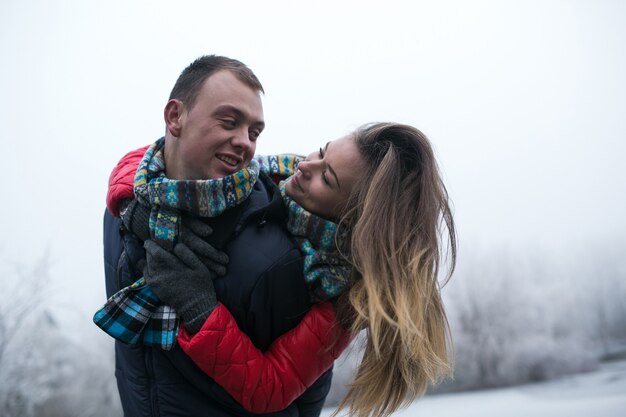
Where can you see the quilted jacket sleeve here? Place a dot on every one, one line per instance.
(264, 382)
(121, 180)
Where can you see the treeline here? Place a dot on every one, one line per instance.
(516, 317)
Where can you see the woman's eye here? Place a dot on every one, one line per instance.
(321, 153)
(325, 179)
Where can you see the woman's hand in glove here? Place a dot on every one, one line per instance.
(181, 280)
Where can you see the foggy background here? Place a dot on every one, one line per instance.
(524, 103)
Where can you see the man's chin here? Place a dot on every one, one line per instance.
(223, 172)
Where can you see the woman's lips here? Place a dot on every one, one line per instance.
(294, 179)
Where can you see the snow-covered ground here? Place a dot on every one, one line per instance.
(601, 393)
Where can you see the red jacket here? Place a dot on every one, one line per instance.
(262, 382)
(122, 179)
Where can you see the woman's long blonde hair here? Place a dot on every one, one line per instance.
(395, 214)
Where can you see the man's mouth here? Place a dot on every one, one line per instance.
(230, 161)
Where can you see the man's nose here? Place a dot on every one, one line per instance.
(241, 139)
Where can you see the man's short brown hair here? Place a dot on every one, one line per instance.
(191, 79)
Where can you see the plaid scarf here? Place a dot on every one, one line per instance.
(135, 314)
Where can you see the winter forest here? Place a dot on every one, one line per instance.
(523, 101)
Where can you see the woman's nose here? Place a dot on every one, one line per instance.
(303, 166)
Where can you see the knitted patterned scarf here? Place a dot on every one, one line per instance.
(326, 271)
(203, 198)
(135, 315)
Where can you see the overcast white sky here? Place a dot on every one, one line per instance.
(525, 102)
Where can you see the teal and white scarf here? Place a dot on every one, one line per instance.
(202, 198)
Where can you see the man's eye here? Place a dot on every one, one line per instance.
(254, 134)
(321, 153)
(229, 122)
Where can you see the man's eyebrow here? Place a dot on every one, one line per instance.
(226, 108)
(332, 171)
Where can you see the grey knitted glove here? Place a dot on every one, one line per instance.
(193, 233)
(181, 281)
(135, 217)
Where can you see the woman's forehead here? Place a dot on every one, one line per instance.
(343, 156)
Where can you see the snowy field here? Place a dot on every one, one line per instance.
(601, 393)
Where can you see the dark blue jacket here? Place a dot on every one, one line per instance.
(264, 290)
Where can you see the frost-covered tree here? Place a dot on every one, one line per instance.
(44, 372)
(519, 316)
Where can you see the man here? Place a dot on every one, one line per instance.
(213, 119)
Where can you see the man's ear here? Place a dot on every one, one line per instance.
(173, 114)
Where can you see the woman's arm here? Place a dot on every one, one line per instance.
(264, 382)
(121, 180)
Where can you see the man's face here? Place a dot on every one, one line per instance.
(217, 136)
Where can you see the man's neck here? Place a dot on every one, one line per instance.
(172, 170)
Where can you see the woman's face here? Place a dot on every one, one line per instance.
(324, 180)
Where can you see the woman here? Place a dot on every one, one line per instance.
(381, 185)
